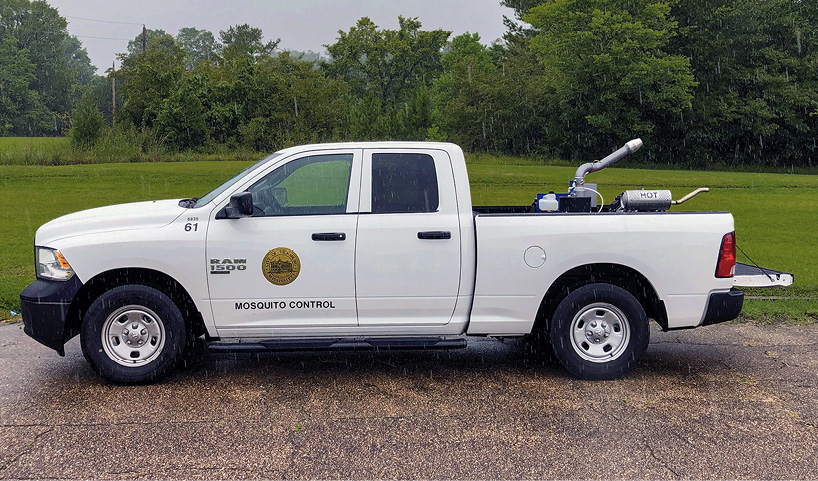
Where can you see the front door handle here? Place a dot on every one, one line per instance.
(329, 236)
(435, 234)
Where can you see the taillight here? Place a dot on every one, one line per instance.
(726, 265)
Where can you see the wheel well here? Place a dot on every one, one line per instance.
(622, 276)
(105, 281)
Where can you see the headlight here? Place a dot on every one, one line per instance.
(52, 265)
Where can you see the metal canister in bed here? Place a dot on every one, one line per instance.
(646, 200)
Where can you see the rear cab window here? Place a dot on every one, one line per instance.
(404, 183)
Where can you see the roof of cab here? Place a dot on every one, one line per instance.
(372, 145)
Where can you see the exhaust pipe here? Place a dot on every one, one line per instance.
(690, 196)
(617, 155)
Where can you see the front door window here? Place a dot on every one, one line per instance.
(313, 185)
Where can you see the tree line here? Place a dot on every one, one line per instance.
(701, 81)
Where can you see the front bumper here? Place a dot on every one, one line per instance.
(45, 306)
(723, 306)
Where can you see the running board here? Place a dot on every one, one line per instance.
(386, 344)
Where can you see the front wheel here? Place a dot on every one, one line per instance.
(599, 331)
(133, 334)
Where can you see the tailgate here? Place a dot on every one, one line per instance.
(752, 276)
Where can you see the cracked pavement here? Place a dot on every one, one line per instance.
(725, 401)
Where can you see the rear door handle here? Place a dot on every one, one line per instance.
(435, 234)
(329, 236)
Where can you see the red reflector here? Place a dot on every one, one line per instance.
(726, 265)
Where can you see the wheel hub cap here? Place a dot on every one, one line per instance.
(133, 336)
(600, 332)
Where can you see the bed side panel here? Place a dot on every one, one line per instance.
(677, 253)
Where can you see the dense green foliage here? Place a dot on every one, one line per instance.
(40, 68)
(20, 106)
(703, 82)
(609, 71)
(33, 195)
(200, 45)
(87, 124)
(492, 99)
(756, 63)
(754, 66)
(389, 72)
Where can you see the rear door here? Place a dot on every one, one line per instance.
(407, 257)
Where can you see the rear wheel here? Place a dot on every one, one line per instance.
(599, 331)
(133, 334)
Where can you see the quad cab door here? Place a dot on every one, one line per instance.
(291, 266)
(408, 246)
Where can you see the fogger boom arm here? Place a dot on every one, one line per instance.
(581, 197)
(586, 169)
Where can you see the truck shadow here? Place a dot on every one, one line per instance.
(483, 357)
(483, 361)
(488, 379)
(481, 352)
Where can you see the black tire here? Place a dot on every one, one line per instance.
(160, 314)
(608, 302)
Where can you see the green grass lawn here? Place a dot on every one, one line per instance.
(53, 151)
(34, 150)
(776, 214)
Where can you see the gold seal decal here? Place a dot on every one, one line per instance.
(281, 266)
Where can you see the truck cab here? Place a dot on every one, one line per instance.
(358, 241)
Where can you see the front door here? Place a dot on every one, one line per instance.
(290, 265)
(408, 247)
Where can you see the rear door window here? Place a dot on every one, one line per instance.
(404, 182)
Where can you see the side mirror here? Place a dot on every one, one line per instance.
(240, 205)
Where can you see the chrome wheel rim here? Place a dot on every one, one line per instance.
(600, 332)
(133, 336)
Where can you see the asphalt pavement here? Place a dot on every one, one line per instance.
(725, 401)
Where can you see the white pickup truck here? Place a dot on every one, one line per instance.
(377, 245)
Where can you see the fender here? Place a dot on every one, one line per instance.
(183, 257)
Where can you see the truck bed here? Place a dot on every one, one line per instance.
(503, 209)
(520, 253)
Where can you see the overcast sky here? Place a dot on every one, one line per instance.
(300, 24)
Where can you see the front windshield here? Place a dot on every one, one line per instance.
(218, 190)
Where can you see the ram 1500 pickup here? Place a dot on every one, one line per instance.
(377, 245)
